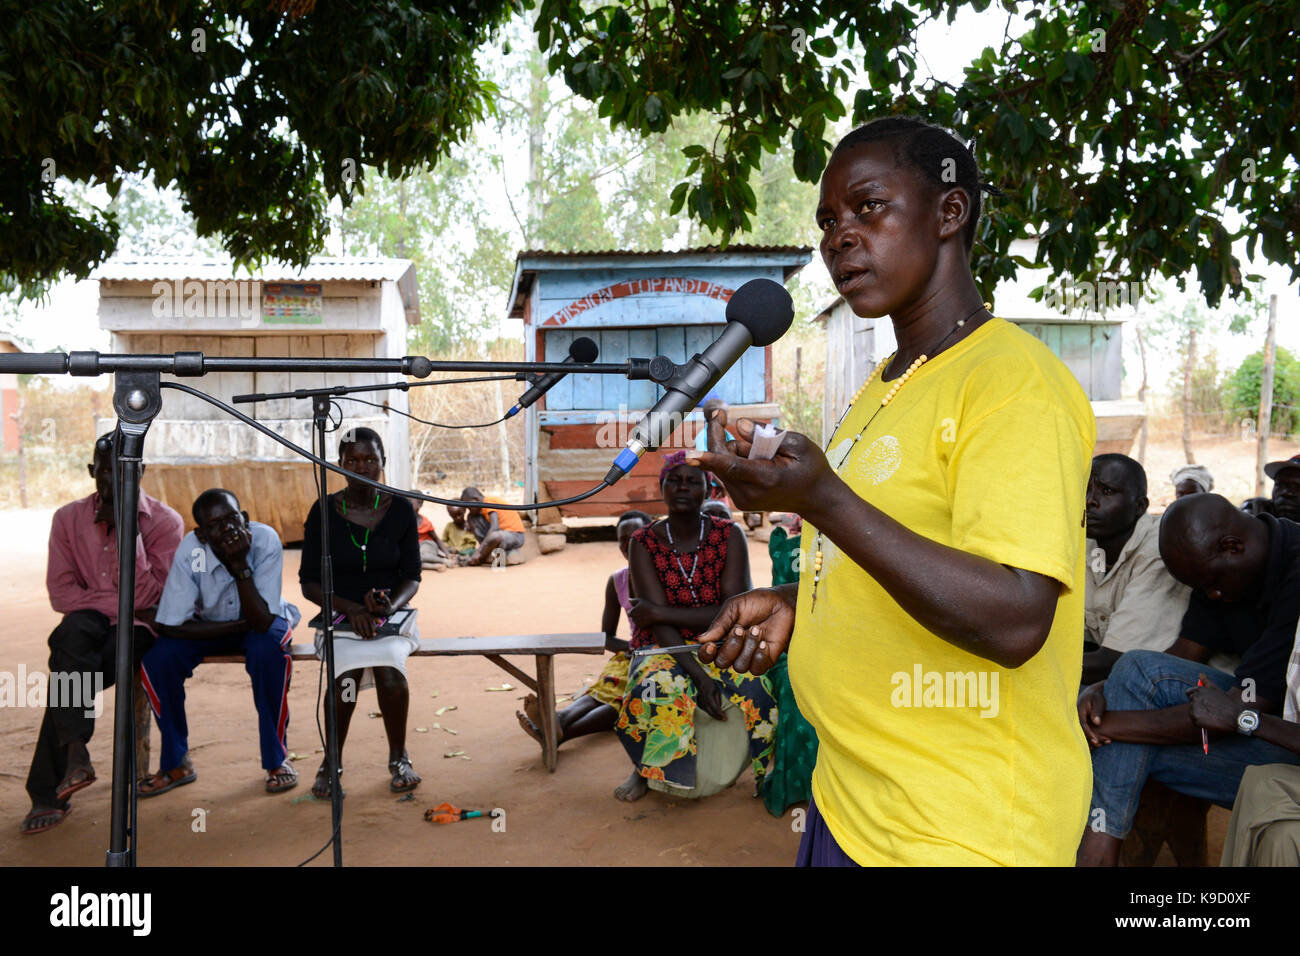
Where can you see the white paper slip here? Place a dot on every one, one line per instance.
(765, 442)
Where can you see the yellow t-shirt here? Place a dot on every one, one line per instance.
(928, 754)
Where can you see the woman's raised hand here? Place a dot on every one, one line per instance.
(750, 632)
(791, 481)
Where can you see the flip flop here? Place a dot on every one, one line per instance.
(54, 814)
(320, 789)
(282, 778)
(79, 779)
(162, 781)
(401, 769)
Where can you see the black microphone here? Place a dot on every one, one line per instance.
(759, 313)
(582, 350)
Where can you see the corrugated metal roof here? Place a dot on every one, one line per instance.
(168, 268)
(795, 259)
(697, 250)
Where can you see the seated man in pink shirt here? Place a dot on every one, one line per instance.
(81, 577)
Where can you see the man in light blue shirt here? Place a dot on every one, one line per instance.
(222, 596)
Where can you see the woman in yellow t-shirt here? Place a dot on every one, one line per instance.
(935, 635)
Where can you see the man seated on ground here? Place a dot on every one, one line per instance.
(1245, 573)
(494, 528)
(81, 577)
(1265, 826)
(1286, 487)
(1131, 601)
(222, 597)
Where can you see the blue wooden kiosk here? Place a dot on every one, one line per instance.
(633, 304)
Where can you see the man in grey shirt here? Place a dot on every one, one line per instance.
(1131, 600)
(222, 596)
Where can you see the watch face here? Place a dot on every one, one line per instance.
(1247, 721)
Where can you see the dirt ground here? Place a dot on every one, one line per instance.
(1230, 460)
(566, 818)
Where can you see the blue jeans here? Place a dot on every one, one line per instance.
(1149, 680)
(266, 659)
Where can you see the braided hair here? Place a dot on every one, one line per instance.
(936, 154)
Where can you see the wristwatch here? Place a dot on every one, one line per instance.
(244, 575)
(1247, 722)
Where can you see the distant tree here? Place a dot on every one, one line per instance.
(1177, 328)
(1242, 390)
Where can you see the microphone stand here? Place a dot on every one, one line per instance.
(137, 400)
(320, 417)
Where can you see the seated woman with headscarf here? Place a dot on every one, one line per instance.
(1191, 480)
(682, 569)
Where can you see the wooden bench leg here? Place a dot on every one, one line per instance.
(546, 698)
(143, 723)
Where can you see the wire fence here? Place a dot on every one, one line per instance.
(445, 459)
(50, 429)
(49, 436)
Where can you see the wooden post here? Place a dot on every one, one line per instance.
(1265, 398)
(22, 453)
(1187, 396)
(503, 440)
(1142, 397)
(798, 390)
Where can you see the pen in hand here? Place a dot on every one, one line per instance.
(1205, 739)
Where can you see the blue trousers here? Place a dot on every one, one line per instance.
(172, 660)
(1149, 680)
(817, 847)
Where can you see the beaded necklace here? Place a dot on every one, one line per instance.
(365, 541)
(889, 397)
(695, 560)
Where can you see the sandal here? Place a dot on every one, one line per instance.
(402, 770)
(79, 779)
(47, 817)
(282, 778)
(321, 788)
(165, 780)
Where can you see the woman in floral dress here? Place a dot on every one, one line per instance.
(682, 569)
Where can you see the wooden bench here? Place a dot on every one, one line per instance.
(543, 647)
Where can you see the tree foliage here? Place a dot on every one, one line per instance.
(1122, 133)
(255, 114)
(1242, 390)
(1133, 139)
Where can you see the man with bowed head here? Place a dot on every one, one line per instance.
(222, 596)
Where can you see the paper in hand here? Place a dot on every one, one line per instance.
(765, 442)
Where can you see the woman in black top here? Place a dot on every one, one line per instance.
(376, 555)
